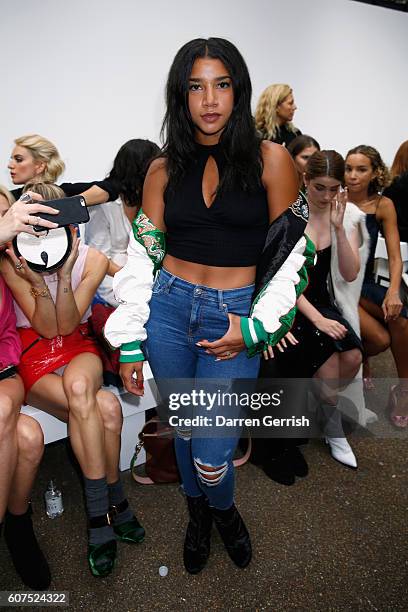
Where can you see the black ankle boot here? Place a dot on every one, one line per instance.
(298, 462)
(198, 535)
(234, 534)
(25, 552)
(280, 469)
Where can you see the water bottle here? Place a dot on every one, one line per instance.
(53, 501)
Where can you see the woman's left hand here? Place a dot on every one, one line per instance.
(281, 346)
(66, 270)
(337, 208)
(230, 345)
(391, 306)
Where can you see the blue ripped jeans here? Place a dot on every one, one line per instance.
(181, 314)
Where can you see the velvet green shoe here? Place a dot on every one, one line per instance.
(101, 558)
(131, 532)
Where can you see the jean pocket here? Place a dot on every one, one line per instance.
(237, 307)
(159, 286)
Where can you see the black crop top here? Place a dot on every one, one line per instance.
(230, 233)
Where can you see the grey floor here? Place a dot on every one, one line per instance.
(335, 541)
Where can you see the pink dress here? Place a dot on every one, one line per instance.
(10, 345)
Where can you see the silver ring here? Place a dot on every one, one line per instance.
(228, 354)
(19, 265)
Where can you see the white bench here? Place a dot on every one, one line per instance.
(382, 273)
(133, 408)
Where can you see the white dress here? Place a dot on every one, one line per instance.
(108, 231)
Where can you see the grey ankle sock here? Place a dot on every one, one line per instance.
(329, 417)
(116, 496)
(97, 503)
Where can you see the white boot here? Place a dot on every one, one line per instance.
(330, 419)
(341, 450)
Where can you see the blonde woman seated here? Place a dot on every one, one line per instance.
(62, 374)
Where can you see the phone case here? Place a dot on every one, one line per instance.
(71, 210)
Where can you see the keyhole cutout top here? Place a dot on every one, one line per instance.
(210, 182)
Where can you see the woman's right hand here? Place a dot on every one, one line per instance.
(132, 377)
(23, 270)
(332, 328)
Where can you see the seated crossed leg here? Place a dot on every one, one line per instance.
(94, 418)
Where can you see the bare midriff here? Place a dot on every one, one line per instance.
(210, 276)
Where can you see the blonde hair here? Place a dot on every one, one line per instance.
(266, 117)
(43, 150)
(6, 193)
(47, 190)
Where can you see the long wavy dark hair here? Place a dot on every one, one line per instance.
(130, 167)
(239, 139)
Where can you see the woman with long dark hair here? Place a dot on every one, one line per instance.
(207, 205)
(110, 225)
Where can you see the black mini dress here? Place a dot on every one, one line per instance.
(315, 347)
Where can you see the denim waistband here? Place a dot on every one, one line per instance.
(206, 293)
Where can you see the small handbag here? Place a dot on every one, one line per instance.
(157, 439)
(161, 465)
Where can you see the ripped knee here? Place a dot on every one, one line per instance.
(210, 475)
(183, 433)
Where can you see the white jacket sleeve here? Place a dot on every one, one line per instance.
(132, 287)
(274, 308)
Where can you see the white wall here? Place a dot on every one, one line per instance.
(90, 74)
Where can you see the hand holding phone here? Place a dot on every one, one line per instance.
(70, 210)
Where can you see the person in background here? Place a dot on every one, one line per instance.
(36, 159)
(301, 149)
(274, 114)
(397, 191)
(383, 319)
(21, 443)
(61, 370)
(327, 346)
(110, 225)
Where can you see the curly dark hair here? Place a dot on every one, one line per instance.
(239, 139)
(130, 167)
(382, 178)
